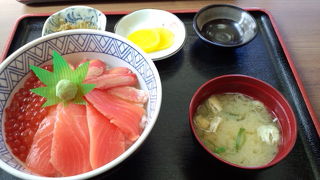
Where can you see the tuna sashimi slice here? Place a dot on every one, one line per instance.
(96, 68)
(107, 141)
(125, 115)
(119, 70)
(40, 152)
(106, 81)
(129, 93)
(70, 143)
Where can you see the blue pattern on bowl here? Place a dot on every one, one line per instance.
(72, 15)
(16, 67)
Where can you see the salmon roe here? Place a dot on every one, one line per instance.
(23, 117)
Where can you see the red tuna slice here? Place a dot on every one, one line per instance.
(131, 94)
(40, 152)
(96, 68)
(107, 81)
(107, 141)
(125, 115)
(119, 70)
(70, 143)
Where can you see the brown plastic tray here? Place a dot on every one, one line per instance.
(171, 152)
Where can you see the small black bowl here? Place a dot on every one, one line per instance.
(225, 25)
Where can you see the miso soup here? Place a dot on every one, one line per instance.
(238, 128)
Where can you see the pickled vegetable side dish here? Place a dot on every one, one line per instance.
(152, 39)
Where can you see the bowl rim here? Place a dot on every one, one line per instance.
(197, 29)
(45, 25)
(161, 11)
(133, 148)
(294, 131)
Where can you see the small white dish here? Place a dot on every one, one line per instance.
(152, 18)
(73, 14)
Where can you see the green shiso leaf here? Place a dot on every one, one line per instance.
(85, 88)
(44, 75)
(79, 100)
(81, 72)
(51, 101)
(61, 71)
(44, 91)
(61, 68)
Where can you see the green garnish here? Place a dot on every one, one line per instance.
(63, 84)
(219, 150)
(66, 90)
(241, 138)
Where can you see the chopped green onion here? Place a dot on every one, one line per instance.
(240, 138)
(219, 150)
(233, 114)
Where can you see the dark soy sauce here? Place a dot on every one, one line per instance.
(222, 31)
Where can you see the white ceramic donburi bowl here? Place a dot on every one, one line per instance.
(73, 14)
(76, 45)
(152, 18)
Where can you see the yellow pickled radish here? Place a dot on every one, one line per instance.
(152, 39)
(166, 38)
(147, 39)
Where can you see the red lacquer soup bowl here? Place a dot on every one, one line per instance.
(258, 90)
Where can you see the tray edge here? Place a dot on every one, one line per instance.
(13, 31)
(313, 116)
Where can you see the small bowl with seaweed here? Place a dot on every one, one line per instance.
(75, 17)
(242, 121)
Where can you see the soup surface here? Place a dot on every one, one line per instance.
(238, 128)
